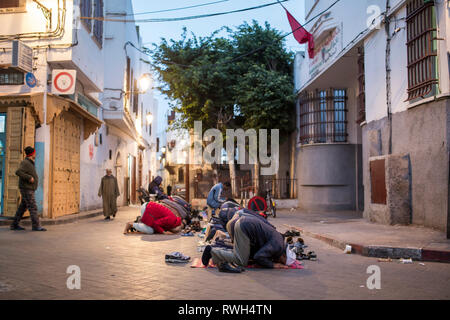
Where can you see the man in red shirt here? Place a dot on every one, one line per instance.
(161, 219)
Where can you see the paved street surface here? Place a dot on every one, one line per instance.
(114, 266)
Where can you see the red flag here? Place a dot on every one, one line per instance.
(301, 35)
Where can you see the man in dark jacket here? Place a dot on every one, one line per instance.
(28, 183)
(253, 239)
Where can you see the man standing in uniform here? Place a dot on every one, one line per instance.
(28, 183)
(109, 191)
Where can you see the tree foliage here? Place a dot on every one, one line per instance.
(243, 79)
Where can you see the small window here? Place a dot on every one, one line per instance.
(11, 77)
(157, 144)
(110, 154)
(9, 6)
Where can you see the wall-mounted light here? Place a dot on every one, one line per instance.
(145, 82)
(149, 118)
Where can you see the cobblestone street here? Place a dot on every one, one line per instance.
(114, 266)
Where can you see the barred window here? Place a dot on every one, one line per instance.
(361, 87)
(98, 24)
(86, 11)
(11, 77)
(323, 116)
(422, 48)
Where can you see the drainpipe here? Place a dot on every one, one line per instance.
(388, 72)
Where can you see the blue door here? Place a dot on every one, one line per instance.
(2, 157)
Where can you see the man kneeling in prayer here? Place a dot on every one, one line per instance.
(156, 218)
(252, 239)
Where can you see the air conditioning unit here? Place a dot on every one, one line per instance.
(17, 55)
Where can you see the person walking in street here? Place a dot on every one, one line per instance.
(28, 183)
(215, 199)
(109, 191)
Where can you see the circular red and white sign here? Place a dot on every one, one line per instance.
(63, 82)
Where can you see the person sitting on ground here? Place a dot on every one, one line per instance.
(155, 188)
(252, 239)
(159, 218)
(214, 199)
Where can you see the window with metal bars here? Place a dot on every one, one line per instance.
(11, 77)
(86, 11)
(98, 24)
(361, 87)
(422, 49)
(323, 116)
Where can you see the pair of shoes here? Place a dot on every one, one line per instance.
(108, 218)
(206, 256)
(312, 256)
(17, 228)
(177, 257)
(39, 229)
(291, 233)
(228, 268)
(189, 234)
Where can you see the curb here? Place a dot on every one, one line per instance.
(59, 221)
(418, 254)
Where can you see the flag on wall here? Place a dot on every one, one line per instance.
(300, 34)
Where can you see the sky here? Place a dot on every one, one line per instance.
(152, 32)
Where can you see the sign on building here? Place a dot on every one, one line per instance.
(326, 49)
(63, 81)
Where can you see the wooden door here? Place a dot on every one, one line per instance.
(13, 157)
(65, 171)
(133, 180)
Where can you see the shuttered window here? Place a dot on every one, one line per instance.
(86, 11)
(422, 48)
(98, 24)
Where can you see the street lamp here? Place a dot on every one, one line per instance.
(145, 81)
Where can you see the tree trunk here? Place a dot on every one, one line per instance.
(256, 177)
(232, 168)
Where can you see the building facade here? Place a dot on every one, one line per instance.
(373, 110)
(75, 137)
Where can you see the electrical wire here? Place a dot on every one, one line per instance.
(181, 18)
(251, 52)
(175, 9)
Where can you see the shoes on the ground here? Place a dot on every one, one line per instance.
(17, 228)
(312, 256)
(291, 233)
(187, 234)
(228, 268)
(39, 229)
(108, 218)
(206, 256)
(177, 257)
